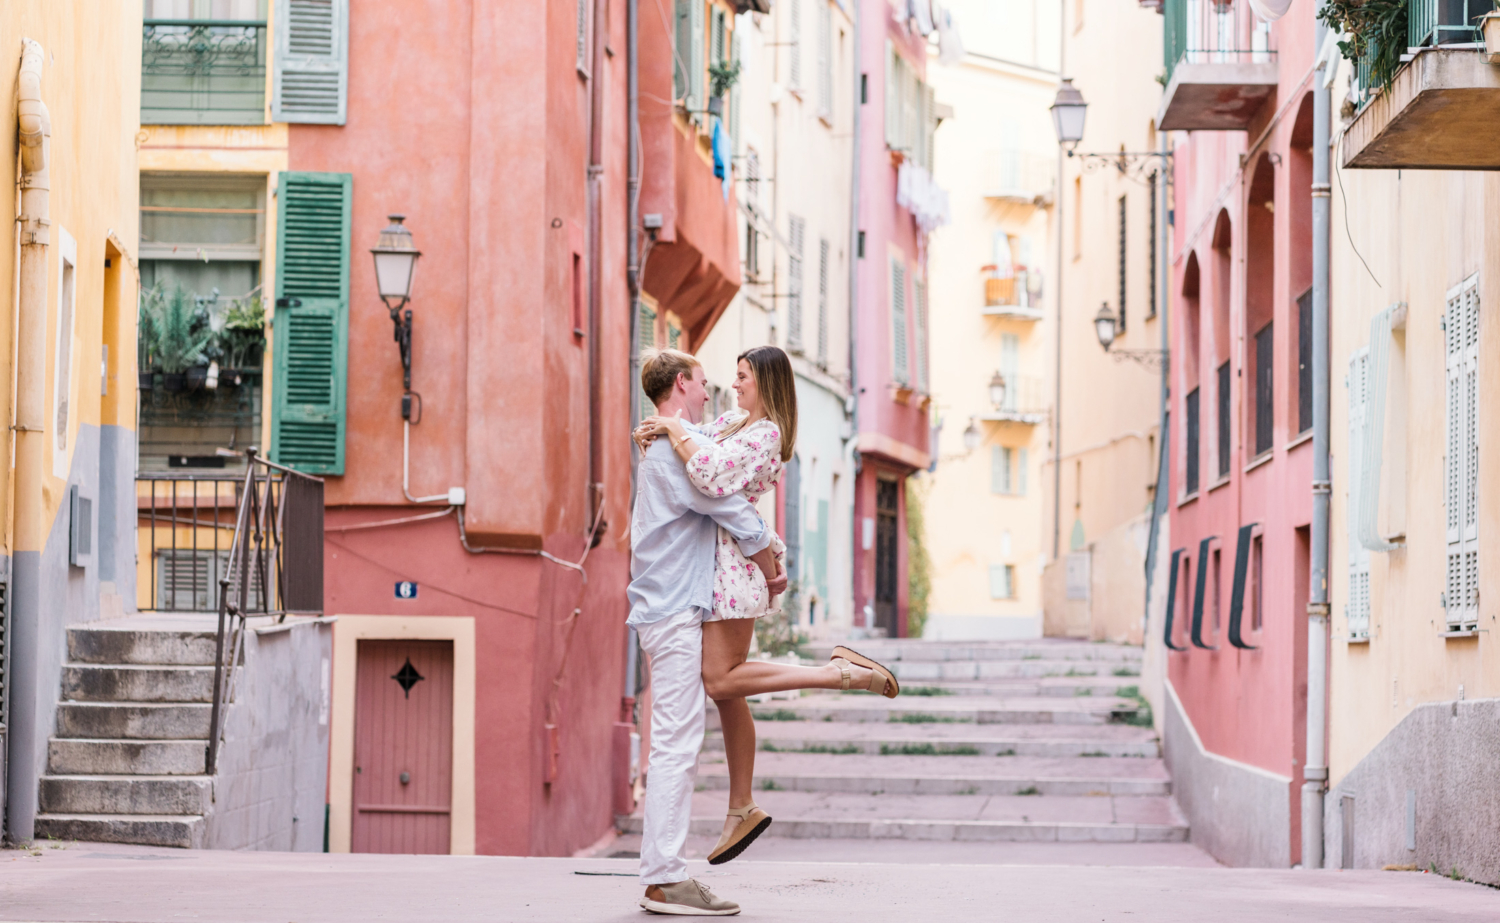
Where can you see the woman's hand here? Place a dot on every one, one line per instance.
(654, 426)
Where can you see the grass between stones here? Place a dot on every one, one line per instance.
(1029, 790)
(920, 718)
(780, 714)
(770, 747)
(926, 749)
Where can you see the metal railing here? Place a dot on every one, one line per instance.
(1213, 32)
(203, 72)
(270, 565)
(1444, 22)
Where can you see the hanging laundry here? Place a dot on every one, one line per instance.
(950, 46)
(721, 155)
(920, 13)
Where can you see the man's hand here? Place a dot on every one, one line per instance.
(765, 559)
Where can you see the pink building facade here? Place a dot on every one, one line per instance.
(1241, 438)
(890, 323)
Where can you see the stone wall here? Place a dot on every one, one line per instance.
(1238, 813)
(273, 767)
(1426, 795)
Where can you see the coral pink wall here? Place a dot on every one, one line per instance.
(1247, 705)
(472, 120)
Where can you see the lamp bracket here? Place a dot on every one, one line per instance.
(1154, 359)
(1136, 165)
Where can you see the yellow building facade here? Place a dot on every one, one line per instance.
(67, 351)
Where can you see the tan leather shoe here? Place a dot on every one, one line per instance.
(687, 899)
(882, 683)
(753, 822)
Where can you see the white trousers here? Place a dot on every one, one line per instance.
(675, 646)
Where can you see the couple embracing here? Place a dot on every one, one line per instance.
(704, 566)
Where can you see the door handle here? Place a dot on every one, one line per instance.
(405, 778)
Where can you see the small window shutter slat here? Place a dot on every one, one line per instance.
(898, 322)
(311, 342)
(310, 80)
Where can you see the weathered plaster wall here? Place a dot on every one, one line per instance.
(273, 764)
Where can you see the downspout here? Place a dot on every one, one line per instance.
(851, 452)
(31, 349)
(1163, 291)
(594, 490)
(1315, 762)
(633, 276)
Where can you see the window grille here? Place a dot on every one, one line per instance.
(1223, 422)
(1151, 248)
(1264, 406)
(1124, 212)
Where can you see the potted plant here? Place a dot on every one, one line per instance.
(177, 346)
(243, 337)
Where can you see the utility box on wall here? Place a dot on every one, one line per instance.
(80, 528)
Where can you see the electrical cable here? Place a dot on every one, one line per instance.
(1339, 175)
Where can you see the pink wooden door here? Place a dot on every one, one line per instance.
(403, 747)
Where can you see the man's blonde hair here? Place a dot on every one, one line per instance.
(659, 371)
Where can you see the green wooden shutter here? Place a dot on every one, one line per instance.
(312, 321)
(645, 339)
(310, 80)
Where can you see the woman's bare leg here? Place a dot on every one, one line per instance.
(729, 678)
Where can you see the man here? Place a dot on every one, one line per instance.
(672, 539)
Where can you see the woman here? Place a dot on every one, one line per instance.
(750, 446)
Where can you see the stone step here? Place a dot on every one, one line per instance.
(142, 829)
(905, 649)
(89, 682)
(916, 671)
(949, 709)
(1038, 740)
(67, 756)
(134, 720)
(126, 794)
(944, 775)
(1062, 686)
(101, 643)
(1037, 818)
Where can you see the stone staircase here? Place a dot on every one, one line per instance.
(1029, 741)
(126, 765)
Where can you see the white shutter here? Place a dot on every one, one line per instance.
(796, 232)
(892, 97)
(794, 47)
(823, 301)
(1461, 464)
(825, 60)
(919, 289)
(999, 470)
(697, 99)
(1021, 468)
(310, 83)
(1010, 370)
(898, 322)
(581, 51)
(1372, 443)
(1356, 610)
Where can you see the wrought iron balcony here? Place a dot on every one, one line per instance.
(1220, 66)
(203, 72)
(1011, 295)
(1025, 402)
(1430, 116)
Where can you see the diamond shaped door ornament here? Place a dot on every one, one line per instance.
(408, 677)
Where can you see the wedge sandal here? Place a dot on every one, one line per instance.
(753, 822)
(882, 683)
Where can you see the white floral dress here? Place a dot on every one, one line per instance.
(747, 461)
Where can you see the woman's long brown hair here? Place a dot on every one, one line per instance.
(777, 387)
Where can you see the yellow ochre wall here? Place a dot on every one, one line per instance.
(91, 86)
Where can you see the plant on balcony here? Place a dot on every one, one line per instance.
(173, 336)
(1376, 31)
(723, 75)
(242, 338)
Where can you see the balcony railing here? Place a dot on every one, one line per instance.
(203, 72)
(1025, 401)
(1444, 22)
(1010, 295)
(1213, 32)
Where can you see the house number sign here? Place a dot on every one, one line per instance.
(406, 589)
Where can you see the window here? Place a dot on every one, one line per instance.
(1224, 420)
(1123, 262)
(825, 61)
(581, 50)
(823, 302)
(734, 91)
(919, 289)
(898, 322)
(578, 295)
(1002, 581)
(910, 110)
(1461, 467)
(1190, 443)
(1264, 408)
(1008, 470)
(689, 67)
(1257, 581)
(62, 368)
(1077, 217)
(796, 231)
(1304, 362)
(203, 63)
(1010, 370)
(1218, 560)
(752, 206)
(645, 338)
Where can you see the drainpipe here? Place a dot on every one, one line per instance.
(594, 492)
(31, 350)
(1315, 764)
(633, 268)
(850, 450)
(1163, 290)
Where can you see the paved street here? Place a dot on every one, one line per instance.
(124, 884)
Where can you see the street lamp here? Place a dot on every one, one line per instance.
(1068, 111)
(997, 390)
(1104, 326)
(972, 436)
(395, 260)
